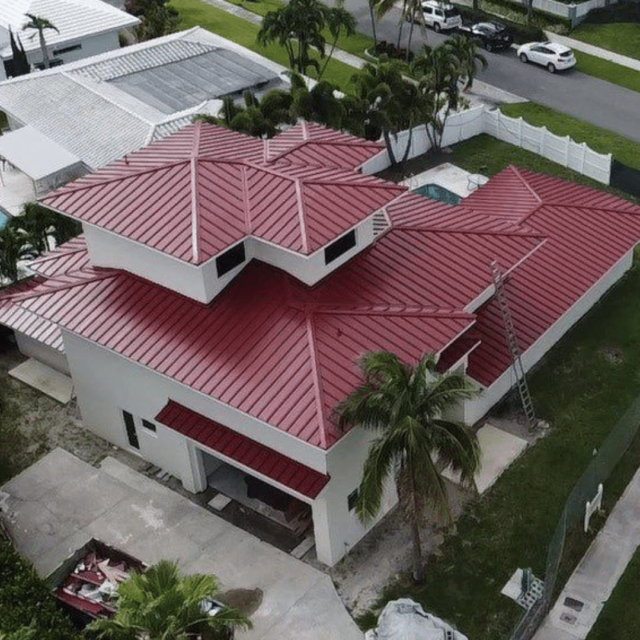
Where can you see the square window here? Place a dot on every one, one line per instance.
(149, 426)
(353, 499)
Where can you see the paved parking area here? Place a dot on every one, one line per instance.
(59, 503)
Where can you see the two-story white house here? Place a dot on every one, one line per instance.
(215, 309)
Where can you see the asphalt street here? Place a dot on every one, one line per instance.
(577, 94)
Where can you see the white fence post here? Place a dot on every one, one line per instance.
(543, 131)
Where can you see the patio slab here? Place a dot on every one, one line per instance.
(43, 378)
(446, 175)
(58, 504)
(499, 449)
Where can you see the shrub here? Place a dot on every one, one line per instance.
(25, 598)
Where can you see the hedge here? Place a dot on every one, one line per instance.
(24, 598)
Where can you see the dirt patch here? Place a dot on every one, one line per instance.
(246, 601)
(384, 554)
(39, 423)
(613, 355)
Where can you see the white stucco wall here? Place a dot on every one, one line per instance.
(107, 383)
(41, 352)
(336, 528)
(108, 249)
(476, 409)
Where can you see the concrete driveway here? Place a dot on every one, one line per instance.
(59, 503)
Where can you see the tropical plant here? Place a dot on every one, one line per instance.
(40, 25)
(160, 604)
(322, 103)
(407, 406)
(157, 18)
(14, 246)
(443, 72)
(339, 22)
(261, 118)
(298, 25)
(19, 65)
(393, 103)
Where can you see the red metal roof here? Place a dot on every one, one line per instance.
(183, 197)
(245, 451)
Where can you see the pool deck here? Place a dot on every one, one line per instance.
(446, 175)
(16, 189)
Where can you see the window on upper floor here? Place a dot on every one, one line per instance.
(69, 49)
(340, 247)
(352, 499)
(229, 260)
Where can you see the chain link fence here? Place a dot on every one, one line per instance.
(602, 465)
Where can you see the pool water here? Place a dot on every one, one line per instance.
(4, 218)
(436, 192)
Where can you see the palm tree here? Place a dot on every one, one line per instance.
(40, 25)
(443, 72)
(406, 405)
(14, 246)
(318, 104)
(159, 604)
(339, 22)
(393, 103)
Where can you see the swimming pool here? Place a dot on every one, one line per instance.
(436, 192)
(4, 217)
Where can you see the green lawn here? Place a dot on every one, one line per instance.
(620, 37)
(609, 71)
(620, 618)
(198, 13)
(582, 393)
(598, 139)
(356, 44)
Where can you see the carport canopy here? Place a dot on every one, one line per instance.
(35, 154)
(245, 451)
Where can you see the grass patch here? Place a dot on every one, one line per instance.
(620, 617)
(356, 44)
(598, 139)
(609, 71)
(197, 13)
(622, 38)
(582, 393)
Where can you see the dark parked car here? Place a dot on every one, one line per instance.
(493, 36)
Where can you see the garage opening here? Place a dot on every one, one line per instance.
(257, 507)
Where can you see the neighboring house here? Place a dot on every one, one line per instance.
(94, 111)
(214, 311)
(85, 28)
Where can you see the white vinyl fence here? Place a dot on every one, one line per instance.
(481, 119)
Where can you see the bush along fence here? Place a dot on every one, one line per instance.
(574, 12)
(481, 119)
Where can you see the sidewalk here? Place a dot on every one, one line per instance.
(596, 576)
(578, 45)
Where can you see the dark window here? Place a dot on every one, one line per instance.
(149, 425)
(52, 63)
(352, 499)
(69, 49)
(130, 424)
(230, 259)
(451, 13)
(339, 247)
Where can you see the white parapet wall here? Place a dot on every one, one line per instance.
(464, 125)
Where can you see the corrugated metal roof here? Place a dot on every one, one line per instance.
(75, 20)
(299, 208)
(294, 355)
(245, 451)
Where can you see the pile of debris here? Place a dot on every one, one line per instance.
(88, 581)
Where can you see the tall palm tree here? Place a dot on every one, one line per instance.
(443, 72)
(406, 405)
(159, 604)
(318, 104)
(339, 22)
(14, 246)
(393, 102)
(36, 23)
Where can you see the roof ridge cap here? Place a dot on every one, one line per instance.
(318, 390)
(301, 215)
(195, 200)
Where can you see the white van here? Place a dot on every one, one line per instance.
(441, 16)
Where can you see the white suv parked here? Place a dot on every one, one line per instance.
(441, 16)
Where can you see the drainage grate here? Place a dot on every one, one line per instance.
(569, 618)
(572, 603)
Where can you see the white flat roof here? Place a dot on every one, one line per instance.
(34, 154)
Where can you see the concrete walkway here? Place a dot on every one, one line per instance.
(59, 503)
(598, 52)
(594, 579)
